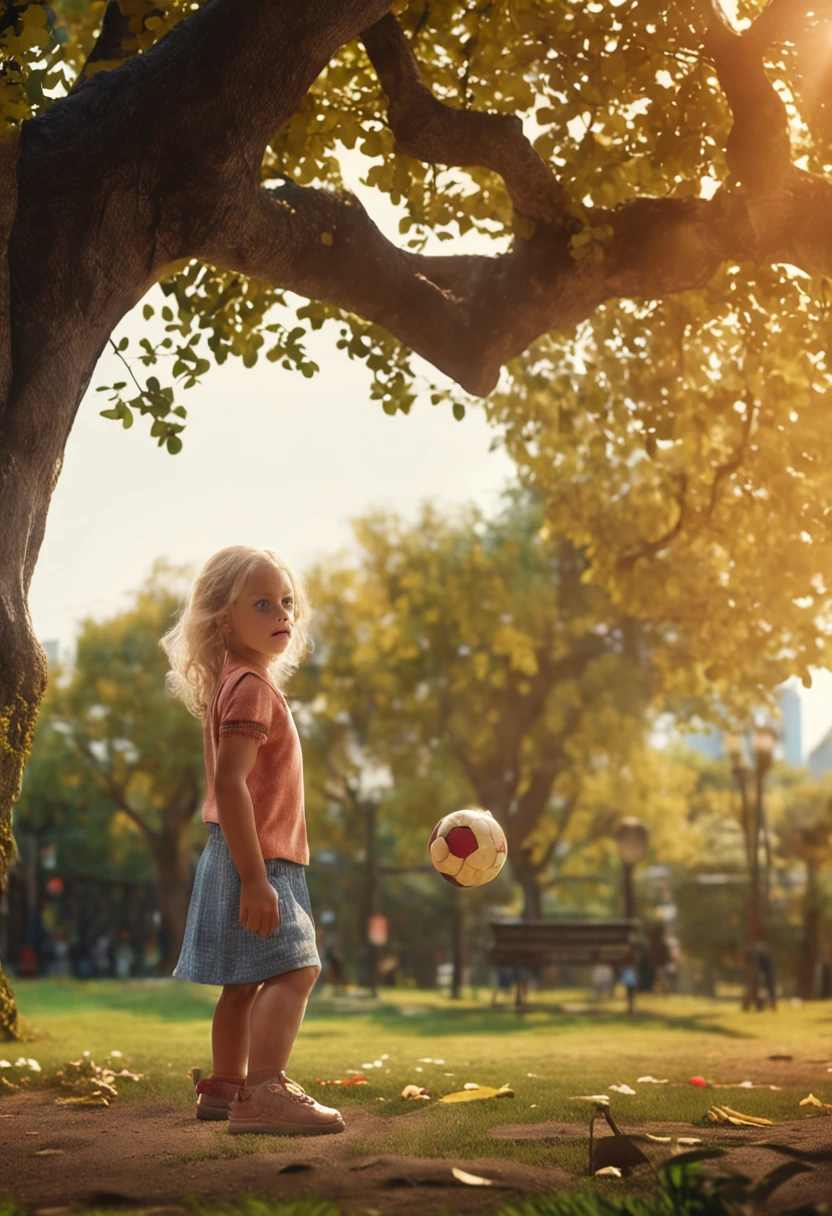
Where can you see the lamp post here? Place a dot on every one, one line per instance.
(631, 836)
(754, 829)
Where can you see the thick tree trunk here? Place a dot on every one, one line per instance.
(528, 877)
(170, 853)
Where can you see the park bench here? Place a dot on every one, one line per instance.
(523, 945)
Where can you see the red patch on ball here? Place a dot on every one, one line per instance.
(462, 842)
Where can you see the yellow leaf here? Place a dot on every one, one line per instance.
(478, 1094)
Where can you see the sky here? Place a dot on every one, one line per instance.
(269, 459)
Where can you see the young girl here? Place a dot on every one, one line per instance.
(244, 630)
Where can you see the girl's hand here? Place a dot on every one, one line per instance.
(259, 907)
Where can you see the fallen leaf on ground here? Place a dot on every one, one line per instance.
(811, 1100)
(415, 1091)
(598, 1099)
(608, 1171)
(699, 1082)
(470, 1085)
(358, 1079)
(659, 1139)
(688, 1141)
(724, 1114)
(648, 1080)
(470, 1179)
(622, 1089)
(481, 1092)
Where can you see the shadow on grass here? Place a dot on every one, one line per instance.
(451, 1020)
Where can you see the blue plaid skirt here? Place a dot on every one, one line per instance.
(217, 949)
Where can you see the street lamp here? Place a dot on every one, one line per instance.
(754, 826)
(631, 836)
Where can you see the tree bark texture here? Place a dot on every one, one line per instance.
(159, 160)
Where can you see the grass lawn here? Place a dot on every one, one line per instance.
(162, 1027)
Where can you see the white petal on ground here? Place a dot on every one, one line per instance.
(470, 1179)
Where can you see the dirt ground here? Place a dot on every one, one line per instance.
(56, 1160)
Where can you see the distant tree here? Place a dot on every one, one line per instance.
(64, 803)
(140, 747)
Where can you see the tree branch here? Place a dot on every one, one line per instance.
(651, 548)
(730, 466)
(467, 315)
(429, 130)
(112, 787)
(110, 43)
(758, 150)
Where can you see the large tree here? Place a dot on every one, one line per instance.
(198, 144)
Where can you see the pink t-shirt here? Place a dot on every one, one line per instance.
(245, 702)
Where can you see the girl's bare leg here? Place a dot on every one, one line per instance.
(276, 1016)
(230, 1029)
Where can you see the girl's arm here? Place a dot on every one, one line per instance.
(236, 755)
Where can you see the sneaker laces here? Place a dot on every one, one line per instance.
(296, 1092)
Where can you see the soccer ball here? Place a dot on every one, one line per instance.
(468, 847)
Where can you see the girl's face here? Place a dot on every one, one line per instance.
(259, 624)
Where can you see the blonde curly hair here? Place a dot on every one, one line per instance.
(196, 646)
